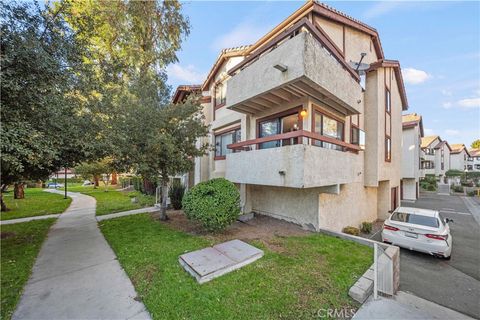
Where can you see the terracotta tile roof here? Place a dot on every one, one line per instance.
(222, 57)
(426, 141)
(182, 91)
(412, 117)
(458, 147)
(474, 152)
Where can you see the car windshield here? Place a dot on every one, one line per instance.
(415, 219)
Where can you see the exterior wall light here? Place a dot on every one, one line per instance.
(281, 67)
(303, 113)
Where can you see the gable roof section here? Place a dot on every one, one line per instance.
(223, 57)
(183, 91)
(474, 152)
(459, 147)
(441, 144)
(398, 75)
(427, 141)
(411, 120)
(326, 12)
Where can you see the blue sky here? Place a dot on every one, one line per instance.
(437, 44)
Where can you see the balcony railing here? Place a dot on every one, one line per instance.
(294, 137)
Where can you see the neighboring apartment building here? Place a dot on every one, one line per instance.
(459, 157)
(473, 162)
(435, 156)
(411, 156)
(305, 136)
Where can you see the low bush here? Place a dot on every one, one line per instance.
(366, 227)
(351, 230)
(458, 189)
(431, 187)
(472, 193)
(215, 203)
(175, 193)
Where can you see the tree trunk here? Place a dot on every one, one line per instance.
(19, 190)
(95, 181)
(163, 206)
(3, 204)
(114, 179)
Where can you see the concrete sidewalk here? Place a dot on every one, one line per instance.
(127, 213)
(20, 220)
(405, 306)
(76, 274)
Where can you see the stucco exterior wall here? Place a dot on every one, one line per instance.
(354, 205)
(299, 206)
(457, 160)
(411, 153)
(409, 189)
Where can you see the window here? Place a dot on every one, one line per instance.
(429, 151)
(388, 125)
(329, 127)
(220, 94)
(223, 140)
(415, 219)
(477, 166)
(388, 101)
(428, 165)
(388, 149)
(469, 167)
(278, 125)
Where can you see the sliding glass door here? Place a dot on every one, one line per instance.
(276, 126)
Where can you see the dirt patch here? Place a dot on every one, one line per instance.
(7, 234)
(376, 227)
(261, 228)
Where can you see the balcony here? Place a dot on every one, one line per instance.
(300, 164)
(299, 63)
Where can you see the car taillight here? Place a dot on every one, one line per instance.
(387, 227)
(436, 236)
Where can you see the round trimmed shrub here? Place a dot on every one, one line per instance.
(215, 203)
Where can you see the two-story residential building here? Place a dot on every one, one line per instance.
(412, 125)
(473, 162)
(435, 156)
(459, 157)
(307, 121)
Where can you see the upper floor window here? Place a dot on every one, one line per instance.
(220, 94)
(330, 127)
(388, 125)
(223, 139)
(388, 149)
(429, 151)
(388, 101)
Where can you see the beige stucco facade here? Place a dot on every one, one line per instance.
(411, 156)
(298, 180)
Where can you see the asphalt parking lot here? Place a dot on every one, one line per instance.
(455, 283)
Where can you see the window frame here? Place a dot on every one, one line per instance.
(224, 133)
(323, 113)
(388, 112)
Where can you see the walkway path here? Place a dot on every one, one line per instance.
(76, 274)
(19, 220)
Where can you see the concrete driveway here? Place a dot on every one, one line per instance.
(454, 284)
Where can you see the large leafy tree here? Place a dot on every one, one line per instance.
(43, 127)
(476, 144)
(130, 44)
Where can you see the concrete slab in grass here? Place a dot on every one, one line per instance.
(209, 263)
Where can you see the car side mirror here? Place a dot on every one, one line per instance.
(448, 220)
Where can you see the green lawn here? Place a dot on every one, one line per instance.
(20, 245)
(36, 203)
(112, 201)
(305, 274)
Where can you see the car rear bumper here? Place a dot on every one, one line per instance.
(435, 247)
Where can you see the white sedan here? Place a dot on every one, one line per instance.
(420, 230)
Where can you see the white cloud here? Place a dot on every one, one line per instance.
(447, 105)
(428, 132)
(469, 103)
(447, 92)
(245, 33)
(415, 76)
(188, 74)
(452, 132)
